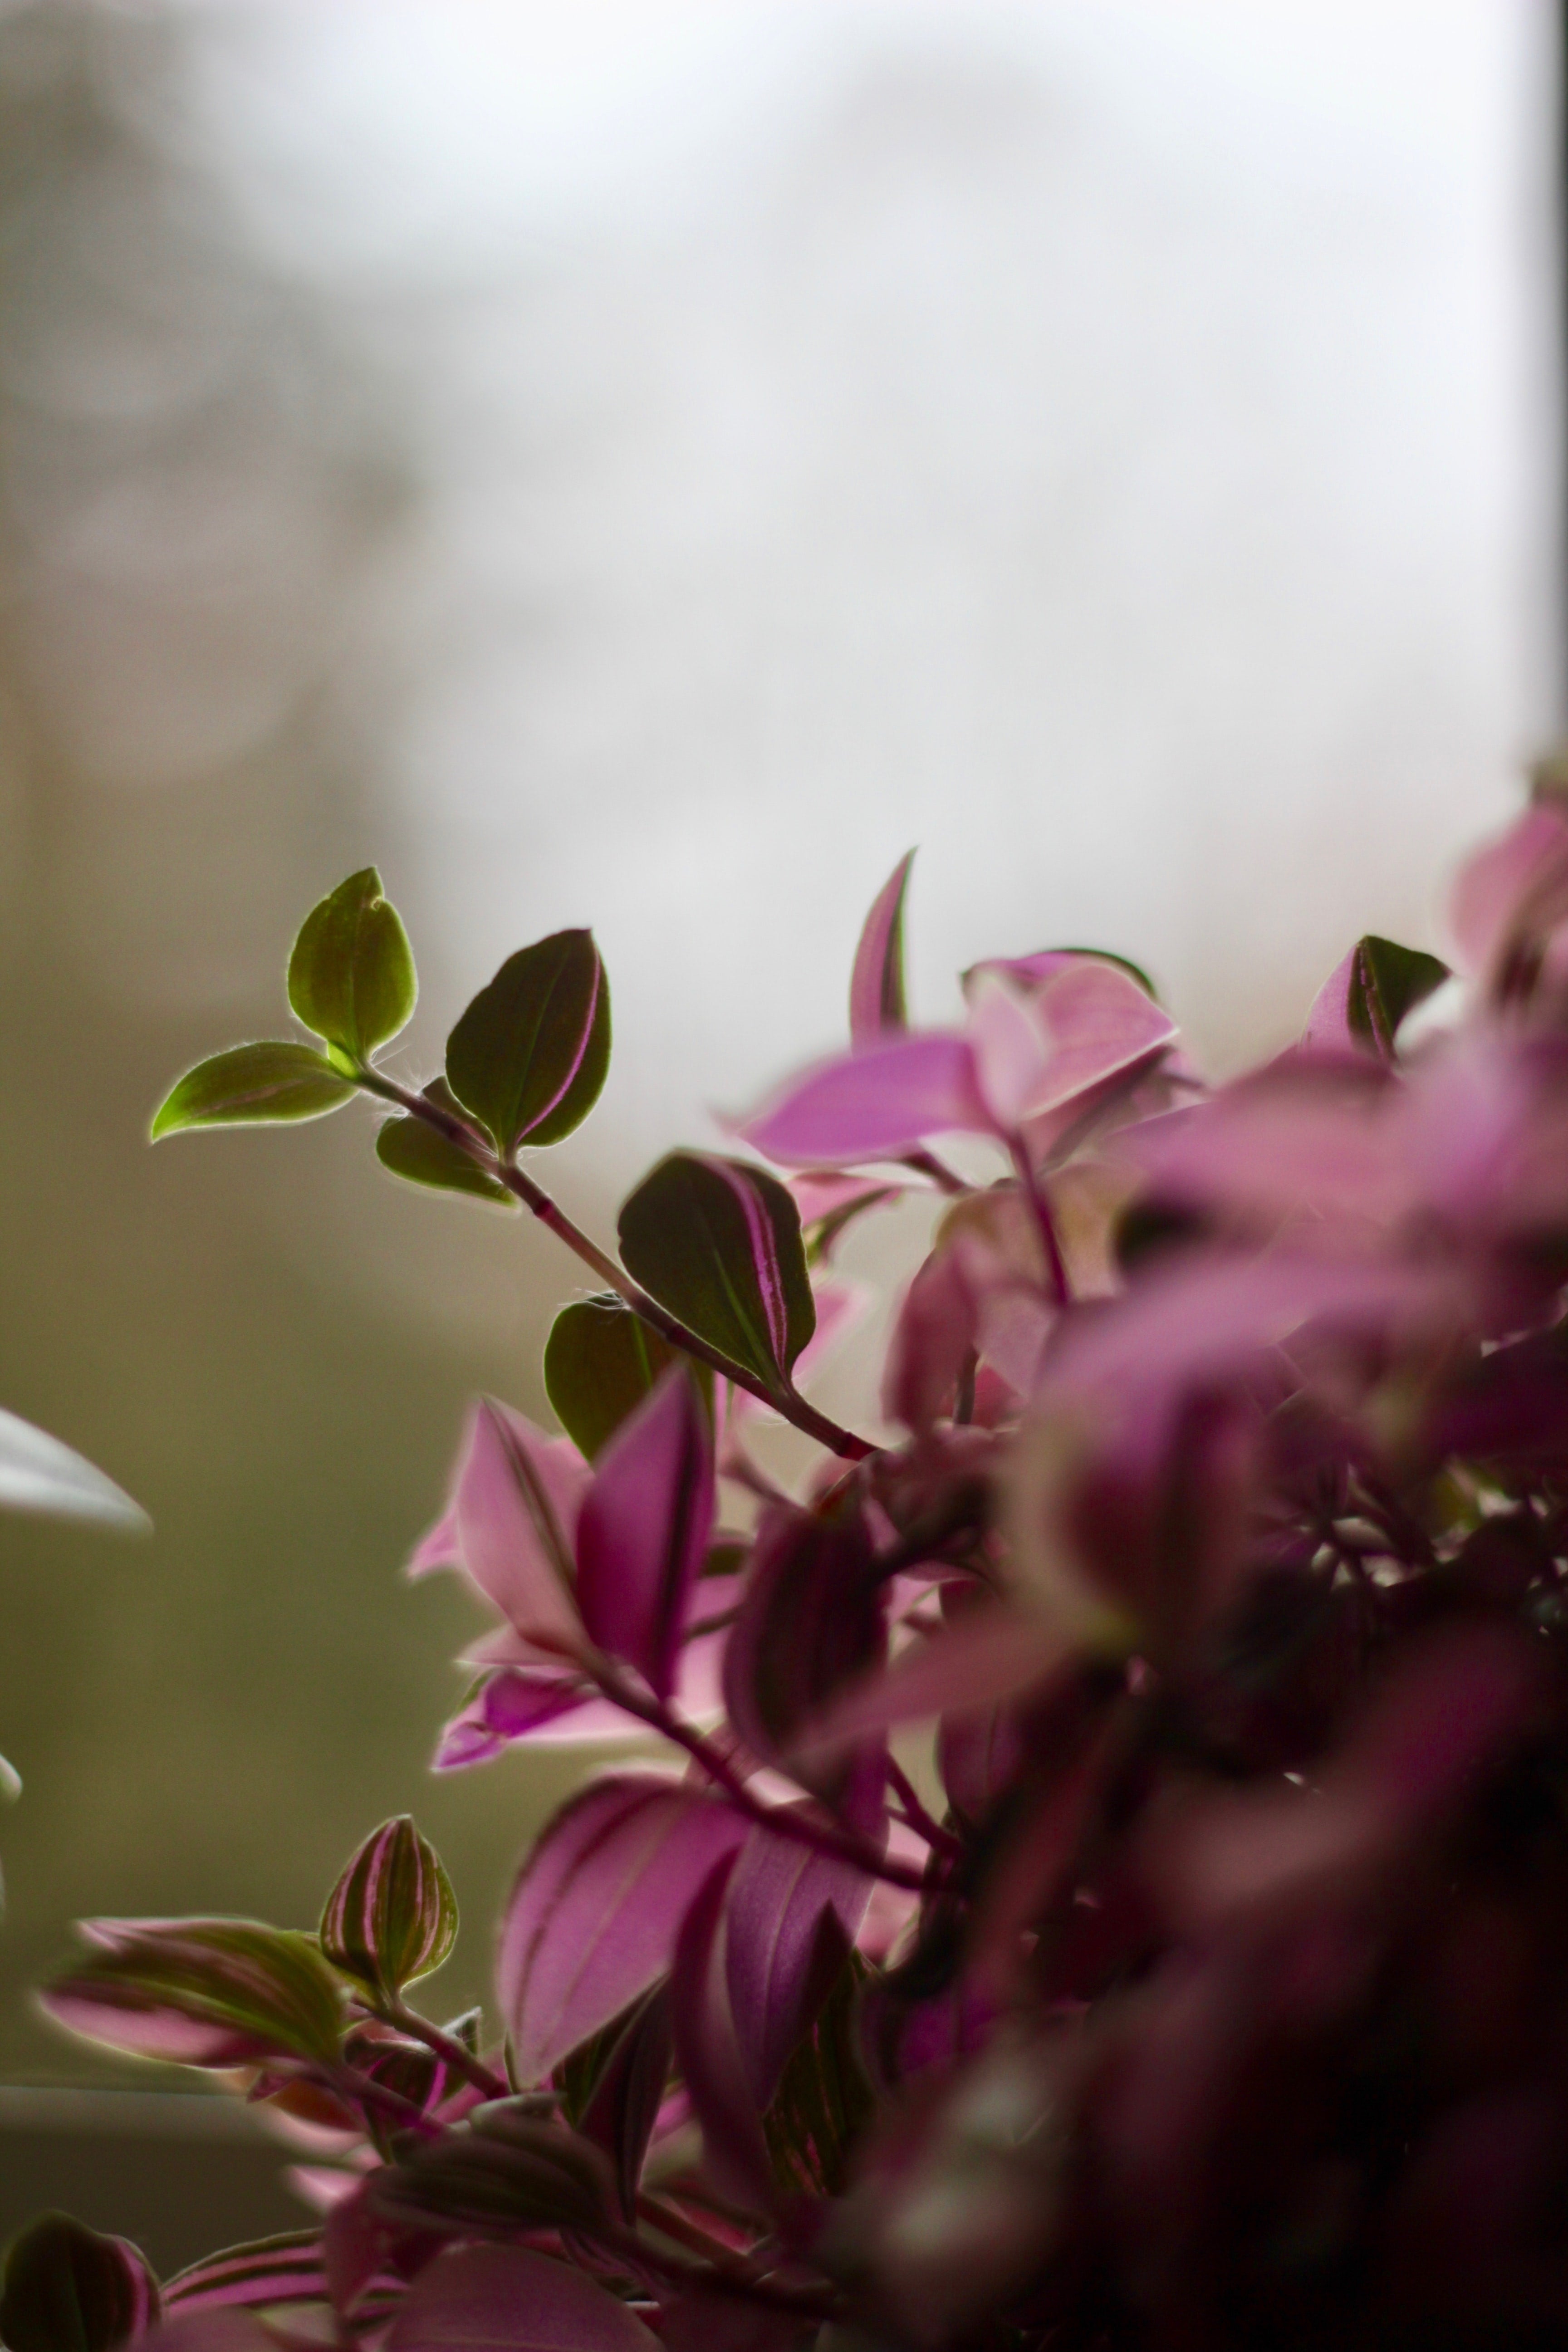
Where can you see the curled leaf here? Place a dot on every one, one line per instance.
(392, 1916)
(70, 2290)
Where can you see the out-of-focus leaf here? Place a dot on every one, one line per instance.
(874, 1104)
(793, 1914)
(877, 1001)
(39, 1474)
(599, 1362)
(707, 2048)
(70, 2290)
(202, 1993)
(351, 975)
(507, 2299)
(1047, 961)
(251, 1085)
(392, 1917)
(810, 1624)
(592, 1918)
(824, 2101)
(718, 1243)
(423, 1155)
(280, 2269)
(642, 1535)
(508, 2168)
(621, 2107)
(529, 1056)
(1366, 997)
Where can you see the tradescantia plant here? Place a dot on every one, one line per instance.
(1193, 1972)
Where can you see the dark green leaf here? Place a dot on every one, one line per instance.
(351, 975)
(718, 1243)
(599, 1362)
(824, 2100)
(529, 1056)
(251, 1084)
(392, 1916)
(1387, 982)
(69, 2290)
(424, 1155)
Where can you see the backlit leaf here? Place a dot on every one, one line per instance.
(599, 1362)
(718, 1243)
(529, 1056)
(351, 975)
(201, 1992)
(39, 1474)
(251, 1085)
(392, 1917)
(70, 2290)
(422, 1155)
(877, 1001)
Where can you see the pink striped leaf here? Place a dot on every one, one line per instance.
(285, 2269)
(709, 2050)
(873, 1104)
(529, 1056)
(877, 1006)
(592, 1918)
(792, 1914)
(718, 1243)
(70, 2290)
(519, 1492)
(642, 1536)
(1366, 996)
(392, 1917)
(201, 1992)
(508, 2299)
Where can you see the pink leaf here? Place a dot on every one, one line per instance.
(932, 1342)
(1093, 1023)
(873, 1105)
(593, 1915)
(508, 2299)
(438, 1547)
(734, 2153)
(1327, 1028)
(877, 1006)
(1493, 885)
(643, 1533)
(988, 1654)
(792, 1914)
(519, 1492)
(552, 1710)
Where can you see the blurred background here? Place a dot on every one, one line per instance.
(648, 464)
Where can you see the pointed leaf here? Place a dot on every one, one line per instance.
(518, 1495)
(39, 1474)
(642, 1536)
(1365, 998)
(351, 975)
(250, 1085)
(288, 2268)
(718, 1243)
(422, 1155)
(70, 2290)
(877, 1003)
(592, 1918)
(874, 1104)
(529, 1054)
(508, 2299)
(202, 1993)
(620, 2113)
(392, 1917)
(793, 1914)
(600, 1361)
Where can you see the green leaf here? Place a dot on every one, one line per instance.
(201, 1992)
(392, 1916)
(718, 1243)
(351, 975)
(70, 2290)
(529, 1056)
(1387, 982)
(252, 1084)
(600, 1360)
(424, 1155)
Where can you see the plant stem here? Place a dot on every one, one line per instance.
(533, 1197)
(1035, 1193)
(942, 1840)
(461, 2061)
(822, 1837)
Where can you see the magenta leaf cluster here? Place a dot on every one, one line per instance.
(1093, 1872)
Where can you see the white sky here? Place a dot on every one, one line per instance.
(1107, 443)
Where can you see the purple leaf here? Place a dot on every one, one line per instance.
(624, 2106)
(516, 1704)
(810, 1623)
(990, 1654)
(286, 2269)
(508, 2299)
(216, 2327)
(643, 1533)
(1493, 885)
(593, 1915)
(932, 1340)
(792, 1914)
(519, 1492)
(708, 2047)
(877, 1006)
(873, 1105)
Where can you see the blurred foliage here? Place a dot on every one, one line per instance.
(193, 483)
